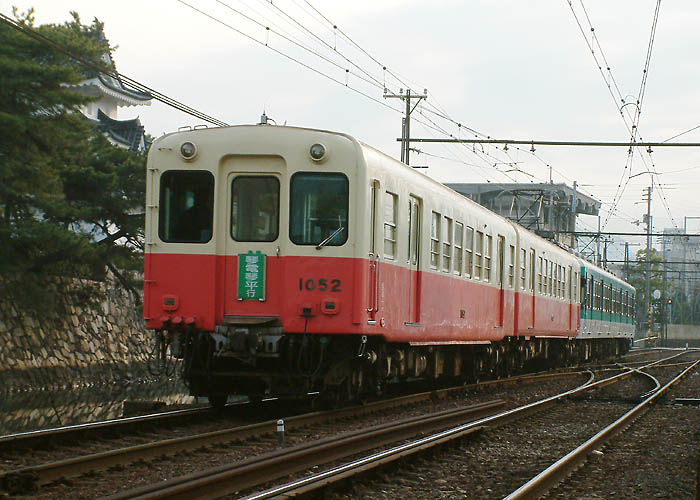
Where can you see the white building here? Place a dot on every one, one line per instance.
(112, 94)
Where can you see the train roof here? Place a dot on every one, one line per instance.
(604, 274)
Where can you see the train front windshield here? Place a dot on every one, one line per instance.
(318, 212)
(186, 206)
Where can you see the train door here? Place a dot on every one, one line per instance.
(253, 272)
(373, 295)
(414, 264)
(571, 299)
(501, 277)
(533, 273)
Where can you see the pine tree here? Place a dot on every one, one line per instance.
(70, 202)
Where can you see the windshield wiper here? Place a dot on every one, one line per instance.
(325, 242)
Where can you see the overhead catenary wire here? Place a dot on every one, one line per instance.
(287, 56)
(632, 128)
(134, 84)
(317, 15)
(436, 110)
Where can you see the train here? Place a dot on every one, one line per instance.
(284, 261)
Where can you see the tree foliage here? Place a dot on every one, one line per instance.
(638, 276)
(70, 202)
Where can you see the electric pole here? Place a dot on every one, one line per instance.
(406, 121)
(647, 192)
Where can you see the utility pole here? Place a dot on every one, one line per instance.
(627, 261)
(605, 253)
(663, 299)
(574, 240)
(648, 192)
(597, 244)
(406, 121)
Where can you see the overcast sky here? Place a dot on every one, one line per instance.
(510, 69)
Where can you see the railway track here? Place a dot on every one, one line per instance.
(29, 478)
(309, 485)
(559, 470)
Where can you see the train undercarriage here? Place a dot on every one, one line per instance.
(260, 361)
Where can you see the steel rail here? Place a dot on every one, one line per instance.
(553, 474)
(654, 380)
(48, 472)
(220, 481)
(30, 438)
(26, 477)
(70, 432)
(317, 481)
(213, 483)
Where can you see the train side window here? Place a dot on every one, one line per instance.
(390, 213)
(468, 252)
(435, 240)
(478, 254)
(539, 275)
(446, 244)
(318, 209)
(551, 277)
(562, 281)
(488, 248)
(511, 267)
(605, 298)
(532, 270)
(459, 230)
(523, 268)
(545, 277)
(186, 206)
(255, 208)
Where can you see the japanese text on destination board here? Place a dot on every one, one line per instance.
(251, 276)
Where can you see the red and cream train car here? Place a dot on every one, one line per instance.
(282, 260)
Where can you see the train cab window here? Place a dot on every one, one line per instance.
(390, 209)
(255, 208)
(435, 240)
(468, 252)
(459, 230)
(186, 206)
(318, 209)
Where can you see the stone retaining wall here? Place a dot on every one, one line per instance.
(83, 342)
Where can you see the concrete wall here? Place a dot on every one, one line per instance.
(83, 342)
(684, 332)
(679, 335)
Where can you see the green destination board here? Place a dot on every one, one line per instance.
(251, 276)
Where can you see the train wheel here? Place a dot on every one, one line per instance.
(218, 401)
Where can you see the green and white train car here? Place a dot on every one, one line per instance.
(607, 304)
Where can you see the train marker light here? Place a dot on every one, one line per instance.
(188, 150)
(317, 152)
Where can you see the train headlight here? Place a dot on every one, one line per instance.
(188, 150)
(317, 152)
